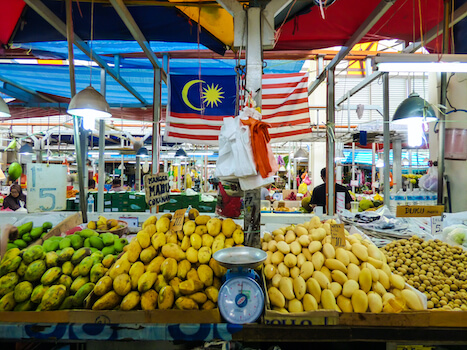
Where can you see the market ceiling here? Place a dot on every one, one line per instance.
(301, 25)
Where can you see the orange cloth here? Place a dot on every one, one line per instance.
(265, 162)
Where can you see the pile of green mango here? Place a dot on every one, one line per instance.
(28, 234)
(58, 275)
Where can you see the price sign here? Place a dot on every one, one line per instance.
(337, 235)
(436, 225)
(178, 220)
(157, 189)
(419, 211)
(46, 187)
(281, 205)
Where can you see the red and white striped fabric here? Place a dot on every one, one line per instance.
(284, 106)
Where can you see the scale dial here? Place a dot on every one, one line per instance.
(241, 300)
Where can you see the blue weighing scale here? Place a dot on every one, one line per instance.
(241, 298)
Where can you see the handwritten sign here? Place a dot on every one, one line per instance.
(178, 220)
(46, 187)
(337, 235)
(419, 211)
(436, 225)
(157, 189)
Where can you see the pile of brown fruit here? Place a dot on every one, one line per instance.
(435, 268)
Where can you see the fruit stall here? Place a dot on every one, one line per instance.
(321, 283)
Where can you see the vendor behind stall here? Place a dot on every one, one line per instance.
(318, 197)
(16, 199)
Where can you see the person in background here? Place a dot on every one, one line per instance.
(265, 193)
(318, 197)
(16, 199)
(117, 185)
(91, 184)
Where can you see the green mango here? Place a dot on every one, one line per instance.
(27, 305)
(108, 260)
(56, 238)
(75, 272)
(50, 245)
(107, 238)
(36, 232)
(87, 233)
(8, 283)
(78, 283)
(76, 241)
(20, 243)
(119, 244)
(81, 294)
(97, 271)
(79, 255)
(10, 265)
(27, 238)
(52, 298)
(38, 292)
(67, 303)
(22, 269)
(11, 246)
(33, 253)
(23, 291)
(7, 303)
(67, 268)
(24, 228)
(66, 254)
(10, 254)
(108, 250)
(97, 257)
(35, 270)
(47, 225)
(85, 266)
(64, 243)
(87, 243)
(65, 280)
(96, 242)
(93, 250)
(51, 275)
(51, 259)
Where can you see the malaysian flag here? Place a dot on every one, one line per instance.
(284, 106)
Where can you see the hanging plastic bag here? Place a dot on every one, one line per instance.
(303, 188)
(429, 181)
(228, 206)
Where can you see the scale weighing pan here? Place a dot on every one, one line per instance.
(245, 257)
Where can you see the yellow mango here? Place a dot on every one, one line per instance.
(206, 275)
(365, 280)
(306, 270)
(286, 288)
(185, 243)
(313, 287)
(136, 271)
(328, 300)
(108, 301)
(309, 303)
(207, 240)
(202, 219)
(172, 250)
(121, 266)
(171, 237)
(189, 228)
(228, 227)
(322, 279)
(290, 260)
(353, 272)
(397, 281)
(169, 268)
(155, 264)
(166, 298)
(182, 269)
(147, 255)
(217, 245)
(103, 286)
(149, 300)
(214, 226)
(160, 283)
(318, 260)
(344, 304)
(212, 293)
(199, 297)
(192, 255)
(204, 255)
(339, 277)
(130, 301)
(143, 239)
(359, 301)
(219, 271)
(342, 256)
(276, 297)
(208, 305)
(146, 281)
(190, 286)
(375, 303)
(163, 225)
(238, 236)
(299, 287)
(412, 300)
(349, 288)
(201, 230)
(122, 284)
(134, 249)
(360, 251)
(336, 288)
(295, 305)
(186, 303)
(158, 240)
(334, 264)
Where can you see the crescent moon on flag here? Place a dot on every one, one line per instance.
(185, 93)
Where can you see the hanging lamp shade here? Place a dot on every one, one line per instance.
(142, 152)
(413, 107)
(89, 103)
(26, 149)
(300, 154)
(181, 153)
(4, 110)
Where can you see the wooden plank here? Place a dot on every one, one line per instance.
(403, 319)
(448, 319)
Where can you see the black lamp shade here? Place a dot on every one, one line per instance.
(413, 107)
(181, 153)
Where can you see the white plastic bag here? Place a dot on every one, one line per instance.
(429, 181)
(235, 153)
(255, 181)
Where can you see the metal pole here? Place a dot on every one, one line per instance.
(254, 71)
(353, 167)
(155, 126)
(386, 137)
(70, 39)
(443, 100)
(373, 165)
(103, 82)
(138, 174)
(79, 159)
(396, 163)
(101, 169)
(330, 142)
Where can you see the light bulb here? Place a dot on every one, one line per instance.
(415, 132)
(89, 123)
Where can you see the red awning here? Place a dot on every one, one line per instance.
(342, 19)
(9, 15)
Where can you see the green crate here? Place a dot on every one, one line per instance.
(190, 200)
(70, 205)
(207, 207)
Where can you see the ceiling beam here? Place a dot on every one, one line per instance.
(364, 28)
(138, 35)
(26, 90)
(60, 26)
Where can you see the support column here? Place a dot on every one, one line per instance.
(373, 166)
(155, 126)
(386, 137)
(330, 143)
(396, 163)
(101, 169)
(138, 174)
(254, 71)
(353, 166)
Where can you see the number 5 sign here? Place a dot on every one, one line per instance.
(46, 187)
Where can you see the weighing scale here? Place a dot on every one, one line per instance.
(241, 298)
